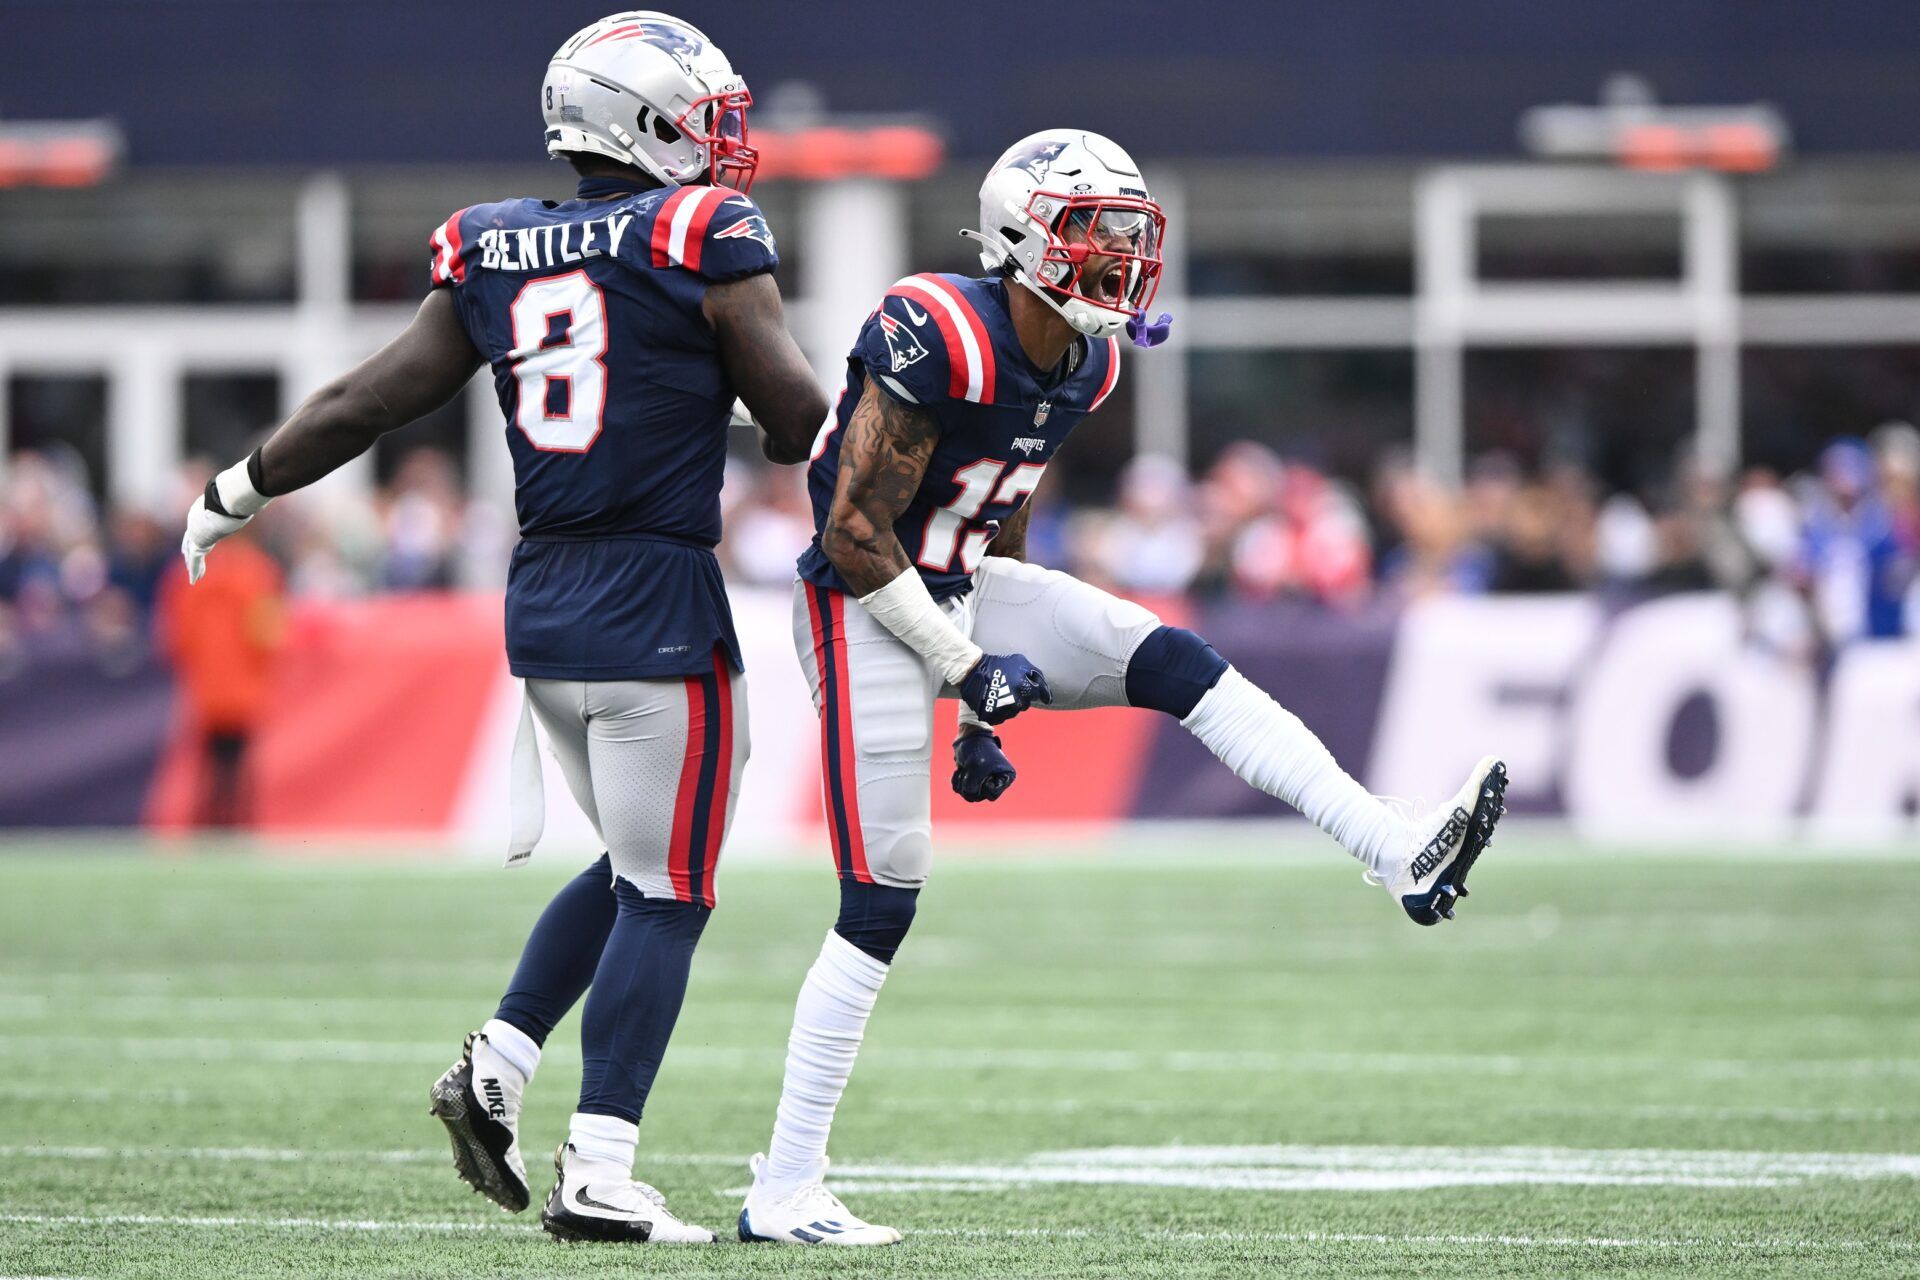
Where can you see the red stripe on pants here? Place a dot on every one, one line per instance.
(680, 843)
(849, 771)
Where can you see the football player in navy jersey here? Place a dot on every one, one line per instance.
(620, 326)
(958, 393)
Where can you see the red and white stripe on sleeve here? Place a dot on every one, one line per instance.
(970, 360)
(448, 267)
(680, 225)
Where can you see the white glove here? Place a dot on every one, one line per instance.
(232, 489)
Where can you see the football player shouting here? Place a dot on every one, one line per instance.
(959, 391)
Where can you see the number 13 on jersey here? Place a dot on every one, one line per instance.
(559, 345)
(980, 483)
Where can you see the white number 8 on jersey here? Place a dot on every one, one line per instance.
(559, 339)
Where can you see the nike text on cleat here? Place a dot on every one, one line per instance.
(1445, 844)
(478, 1099)
(599, 1202)
(807, 1214)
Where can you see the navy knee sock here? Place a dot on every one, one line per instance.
(1171, 671)
(635, 999)
(875, 917)
(561, 953)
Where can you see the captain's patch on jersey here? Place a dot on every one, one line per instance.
(751, 227)
(901, 344)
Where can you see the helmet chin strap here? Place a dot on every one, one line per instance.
(1038, 289)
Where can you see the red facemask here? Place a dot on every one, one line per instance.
(1122, 233)
(718, 122)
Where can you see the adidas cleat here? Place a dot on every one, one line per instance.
(478, 1099)
(809, 1214)
(1445, 845)
(600, 1202)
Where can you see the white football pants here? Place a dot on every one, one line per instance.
(655, 765)
(875, 696)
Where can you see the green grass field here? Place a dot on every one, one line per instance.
(1174, 1065)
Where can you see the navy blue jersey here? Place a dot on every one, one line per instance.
(946, 343)
(617, 408)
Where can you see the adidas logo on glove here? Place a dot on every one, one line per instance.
(997, 691)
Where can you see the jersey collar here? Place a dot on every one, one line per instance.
(602, 188)
(1047, 380)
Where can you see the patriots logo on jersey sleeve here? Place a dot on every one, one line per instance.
(751, 227)
(902, 345)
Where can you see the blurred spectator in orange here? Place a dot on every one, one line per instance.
(222, 635)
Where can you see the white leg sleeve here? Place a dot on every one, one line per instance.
(829, 1021)
(1269, 748)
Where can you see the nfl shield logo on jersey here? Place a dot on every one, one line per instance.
(901, 344)
(1040, 413)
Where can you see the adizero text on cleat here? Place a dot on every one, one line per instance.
(806, 1214)
(602, 1203)
(481, 1109)
(1446, 843)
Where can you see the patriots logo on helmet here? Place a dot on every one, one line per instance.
(751, 227)
(1036, 160)
(901, 344)
(676, 42)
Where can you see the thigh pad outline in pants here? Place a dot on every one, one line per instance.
(875, 700)
(656, 765)
(1079, 636)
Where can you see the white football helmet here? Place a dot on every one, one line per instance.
(1059, 198)
(649, 90)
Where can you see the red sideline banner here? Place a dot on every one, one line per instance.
(376, 704)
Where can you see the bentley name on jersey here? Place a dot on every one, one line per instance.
(617, 404)
(946, 344)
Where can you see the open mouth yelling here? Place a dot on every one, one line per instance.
(1110, 284)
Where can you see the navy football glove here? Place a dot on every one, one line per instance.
(981, 770)
(1001, 686)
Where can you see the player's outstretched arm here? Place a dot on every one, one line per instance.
(765, 366)
(411, 376)
(883, 459)
(414, 374)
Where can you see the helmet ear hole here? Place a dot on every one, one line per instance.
(664, 131)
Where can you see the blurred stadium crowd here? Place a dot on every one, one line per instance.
(1822, 557)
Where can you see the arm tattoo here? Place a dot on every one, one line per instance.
(1011, 541)
(882, 461)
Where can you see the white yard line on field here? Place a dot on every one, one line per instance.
(1374, 1168)
(1290, 1167)
(1770, 1244)
(401, 1052)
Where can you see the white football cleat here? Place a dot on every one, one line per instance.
(809, 1214)
(1445, 844)
(478, 1099)
(596, 1201)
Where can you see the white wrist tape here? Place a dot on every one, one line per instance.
(236, 490)
(906, 608)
